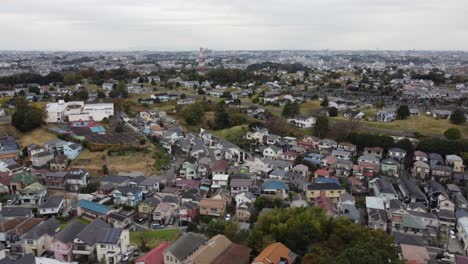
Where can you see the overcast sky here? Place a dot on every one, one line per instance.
(233, 24)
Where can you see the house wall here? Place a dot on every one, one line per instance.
(62, 251)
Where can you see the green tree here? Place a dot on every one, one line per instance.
(321, 126)
(332, 111)
(324, 102)
(194, 113)
(452, 133)
(221, 120)
(291, 110)
(27, 117)
(458, 117)
(403, 112)
(101, 94)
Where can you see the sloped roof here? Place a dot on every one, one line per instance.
(89, 234)
(94, 207)
(154, 256)
(274, 253)
(186, 245)
(70, 231)
(47, 227)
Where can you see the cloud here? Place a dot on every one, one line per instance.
(234, 24)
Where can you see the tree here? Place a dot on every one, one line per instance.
(321, 126)
(82, 95)
(324, 102)
(403, 112)
(221, 120)
(291, 110)
(452, 133)
(26, 117)
(332, 111)
(309, 232)
(101, 94)
(458, 117)
(194, 113)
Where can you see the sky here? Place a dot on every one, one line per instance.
(172, 25)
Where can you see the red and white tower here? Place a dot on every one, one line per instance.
(201, 62)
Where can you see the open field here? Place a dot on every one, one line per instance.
(309, 107)
(153, 237)
(135, 161)
(37, 136)
(421, 124)
(225, 133)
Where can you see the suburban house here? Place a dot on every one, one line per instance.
(390, 167)
(92, 210)
(72, 150)
(421, 170)
(147, 206)
(111, 244)
(38, 240)
(376, 151)
(302, 122)
(329, 190)
(397, 154)
(84, 243)
(275, 189)
(154, 256)
(62, 244)
(212, 207)
(183, 247)
(383, 189)
(41, 159)
(456, 162)
(386, 115)
(240, 185)
(119, 220)
(127, 195)
(163, 213)
(32, 194)
(52, 206)
(273, 152)
(275, 253)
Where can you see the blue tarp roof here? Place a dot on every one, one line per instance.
(95, 207)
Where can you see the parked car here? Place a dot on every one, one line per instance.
(126, 256)
(157, 226)
(228, 217)
(140, 220)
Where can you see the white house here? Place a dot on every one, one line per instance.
(302, 122)
(272, 152)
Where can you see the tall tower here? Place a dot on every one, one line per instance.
(201, 62)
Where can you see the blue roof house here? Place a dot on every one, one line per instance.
(91, 210)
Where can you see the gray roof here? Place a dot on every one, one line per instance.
(152, 201)
(70, 231)
(385, 186)
(412, 188)
(52, 202)
(26, 259)
(89, 234)
(108, 235)
(128, 189)
(15, 211)
(149, 181)
(350, 211)
(47, 227)
(241, 183)
(115, 179)
(117, 216)
(186, 245)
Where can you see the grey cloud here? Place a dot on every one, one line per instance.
(234, 24)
